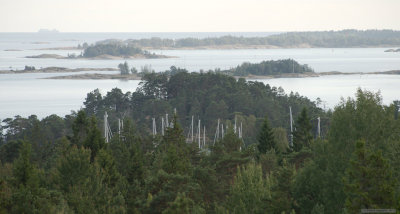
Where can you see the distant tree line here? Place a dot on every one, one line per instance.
(323, 39)
(113, 49)
(271, 67)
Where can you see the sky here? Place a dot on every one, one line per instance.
(197, 15)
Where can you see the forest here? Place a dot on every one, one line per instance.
(270, 67)
(247, 161)
(321, 39)
(113, 49)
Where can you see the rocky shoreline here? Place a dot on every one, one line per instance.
(102, 57)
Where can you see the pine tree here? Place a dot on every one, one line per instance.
(175, 152)
(282, 200)
(94, 140)
(79, 128)
(369, 183)
(266, 139)
(302, 136)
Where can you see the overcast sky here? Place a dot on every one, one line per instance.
(197, 15)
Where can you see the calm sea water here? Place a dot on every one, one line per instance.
(26, 94)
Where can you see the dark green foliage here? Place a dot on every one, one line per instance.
(113, 49)
(369, 183)
(302, 136)
(24, 171)
(92, 102)
(175, 156)
(10, 151)
(282, 199)
(80, 128)
(266, 139)
(271, 67)
(94, 140)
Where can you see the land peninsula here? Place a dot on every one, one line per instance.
(111, 51)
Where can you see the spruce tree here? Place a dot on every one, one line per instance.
(302, 136)
(266, 139)
(369, 183)
(79, 128)
(94, 140)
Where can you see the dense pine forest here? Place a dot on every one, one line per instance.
(65, 164)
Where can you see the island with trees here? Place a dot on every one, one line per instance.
(266, 69)
(243, 156)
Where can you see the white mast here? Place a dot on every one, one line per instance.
(199, 134)
(240, 130)
(105, 127)
(319, 127)
(154, 127)
(204, 136)
(222, 130)
(119, 127)
(291, 127)
(166, 121)
(216, 133)
(107, 130)
(162, 126)
(192, 126)
(234, 129)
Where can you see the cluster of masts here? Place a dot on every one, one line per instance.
(107, 130)
(220, 131)
(200, 136)
(164, 125)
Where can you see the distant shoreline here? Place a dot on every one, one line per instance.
(101, 57)
(235, 47)
(98, 76)
(56, 70)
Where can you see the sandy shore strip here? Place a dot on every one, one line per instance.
(56, 70)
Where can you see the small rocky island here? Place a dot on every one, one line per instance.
(393, 50)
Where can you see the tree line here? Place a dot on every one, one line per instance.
(269, 67)
(323, 39)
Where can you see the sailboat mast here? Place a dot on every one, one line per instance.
(291, 126)
(319, 127)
